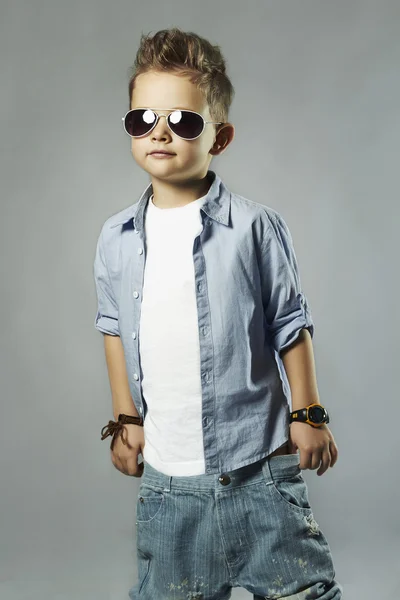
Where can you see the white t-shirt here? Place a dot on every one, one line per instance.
(169, 341)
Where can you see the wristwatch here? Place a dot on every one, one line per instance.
(314, 414)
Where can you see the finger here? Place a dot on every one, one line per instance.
(114, 458)
(325, 461)
(117, 462)
(135, 466)
(305, 460)
(334, 453)
(316, 458)
(138, 472)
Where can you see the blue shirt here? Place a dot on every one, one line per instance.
(250, 307)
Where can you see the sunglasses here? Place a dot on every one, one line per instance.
(186, 124)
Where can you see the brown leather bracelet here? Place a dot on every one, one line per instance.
(115, 428)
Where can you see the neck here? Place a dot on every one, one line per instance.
(173, 195)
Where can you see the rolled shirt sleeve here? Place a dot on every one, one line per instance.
(285, 305)
(106, 319)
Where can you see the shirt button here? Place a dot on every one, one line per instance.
(135, 376)
(140, 409)
(135, 294)
(140, 251)
(134, 335)
(224, 479)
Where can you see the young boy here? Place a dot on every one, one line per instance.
(207, 336)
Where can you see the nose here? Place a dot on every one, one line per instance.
(161, 126)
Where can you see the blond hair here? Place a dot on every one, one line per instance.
(187, 54)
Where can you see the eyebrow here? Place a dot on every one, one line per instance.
(174, 108)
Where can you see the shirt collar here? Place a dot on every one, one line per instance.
(216, 204)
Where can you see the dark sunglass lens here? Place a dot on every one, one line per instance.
(186, 124)
(139, 121)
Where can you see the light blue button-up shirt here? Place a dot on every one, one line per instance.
(250, 307)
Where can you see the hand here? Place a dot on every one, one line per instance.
(316, 444)
(125, 457)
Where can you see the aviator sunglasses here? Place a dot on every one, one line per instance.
(186, 124)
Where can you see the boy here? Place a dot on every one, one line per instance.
(200, 304)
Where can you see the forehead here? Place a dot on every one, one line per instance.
(166, 91)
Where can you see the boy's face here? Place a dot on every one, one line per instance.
(191, 158)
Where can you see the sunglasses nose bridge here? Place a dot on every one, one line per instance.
(158, 117)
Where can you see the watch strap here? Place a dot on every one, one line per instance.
(301, 415)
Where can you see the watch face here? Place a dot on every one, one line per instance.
(316, 414)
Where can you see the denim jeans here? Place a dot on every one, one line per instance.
(200, 536)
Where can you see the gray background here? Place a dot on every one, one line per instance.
(317, 138)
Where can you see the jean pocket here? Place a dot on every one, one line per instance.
(287, 483)
(149, 504)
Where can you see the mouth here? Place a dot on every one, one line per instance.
(161, 154)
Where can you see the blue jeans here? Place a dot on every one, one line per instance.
(200, 536)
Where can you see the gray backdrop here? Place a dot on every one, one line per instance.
(317, 138)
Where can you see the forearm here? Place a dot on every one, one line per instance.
(298, 360)
(115, 358)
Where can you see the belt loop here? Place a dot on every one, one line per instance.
(167, 482)
(266, 470)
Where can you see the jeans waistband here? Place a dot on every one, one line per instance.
(265, 470)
